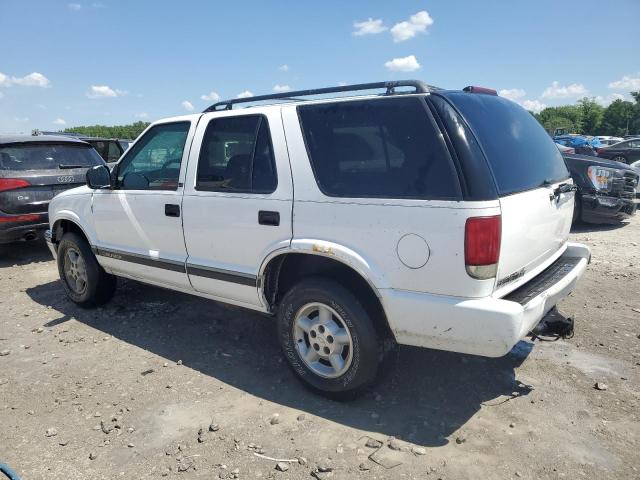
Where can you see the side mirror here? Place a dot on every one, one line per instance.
(99, 177)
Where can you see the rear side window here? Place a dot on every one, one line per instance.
(387, 148)
(46, 156)
(521, 154)
(237, 156)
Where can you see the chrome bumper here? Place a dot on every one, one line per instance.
(48, 237)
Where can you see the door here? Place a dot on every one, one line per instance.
(138, 224)
(237, 202)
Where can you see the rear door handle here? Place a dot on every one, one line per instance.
(171, 210)
(266, 217)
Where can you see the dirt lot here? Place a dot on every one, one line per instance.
(122, 392)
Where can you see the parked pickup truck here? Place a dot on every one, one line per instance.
(419, 216)
(607, 190)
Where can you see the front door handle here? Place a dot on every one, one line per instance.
(171, 210)
(266, 217)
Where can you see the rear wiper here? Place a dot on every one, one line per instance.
(64, 166)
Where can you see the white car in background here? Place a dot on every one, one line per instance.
(607, 140)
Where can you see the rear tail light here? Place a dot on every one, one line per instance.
(31, 217)
(473, 89)
(571, 150)
(599, 150)
(482, 246)
(12, 184)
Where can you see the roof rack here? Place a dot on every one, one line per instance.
(420, 87)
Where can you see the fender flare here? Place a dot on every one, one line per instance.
(364, 267)
(70, 216)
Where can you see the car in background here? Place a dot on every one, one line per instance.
(625, 152)
(636, 165)
(33, 169)
(607, 140)
(564, 149)
(606, 189)
(582, 144)
(110, 149)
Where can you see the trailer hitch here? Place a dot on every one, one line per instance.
(552, 327)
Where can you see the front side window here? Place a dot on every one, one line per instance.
(386, 148)
(237, 156)
(154, 161)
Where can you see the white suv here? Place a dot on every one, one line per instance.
(419, 216)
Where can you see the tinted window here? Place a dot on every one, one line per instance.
(377, 148)
(521, 154)
(154, 161)
(113, 152)
(43, 156)
(237, 156)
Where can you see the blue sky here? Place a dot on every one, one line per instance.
(79, 62)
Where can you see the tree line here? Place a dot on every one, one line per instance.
(619, 118)
(130, 131)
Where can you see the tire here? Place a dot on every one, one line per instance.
(619, 158)
(361, 355)
(577, 211)
(96, 286)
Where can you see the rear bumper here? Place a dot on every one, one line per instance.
(486, 326)
(602, 208)
(17, 230)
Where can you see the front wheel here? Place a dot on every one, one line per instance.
(84, 280)
(328, 338)
(619, 158)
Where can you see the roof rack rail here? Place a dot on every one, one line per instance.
(390, 87)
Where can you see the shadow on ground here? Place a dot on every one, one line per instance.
(423, 398)
(597, 227)
(24, 253)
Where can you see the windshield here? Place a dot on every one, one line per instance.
(46, 156)
(521, 154)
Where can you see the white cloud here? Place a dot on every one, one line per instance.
(284, 68)
(281, 88)
(34, 79)
(245, 94)
(211, 97)
(187, 105)
(21, 119)
(98, 5)
(513, 94)
(142, 115)
(74, 6)
(59, 121)
(104, 91)
(556, 90)
(535, 106)
(627, 82)
(405, 64)
(368, 27)
(417, 23)
(608, 99)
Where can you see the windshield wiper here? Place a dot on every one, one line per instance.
(64, 166)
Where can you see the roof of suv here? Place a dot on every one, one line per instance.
(6, 139)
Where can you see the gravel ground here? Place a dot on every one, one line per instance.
(159, 384)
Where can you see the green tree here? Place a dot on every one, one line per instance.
(618, 118)
(130, 131)
(565, 116)
(590, 115)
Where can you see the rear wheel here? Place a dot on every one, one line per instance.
(84, 280)
(328, 338)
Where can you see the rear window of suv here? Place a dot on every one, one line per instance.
(47, 156)
(521, 154)
(385, 148)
